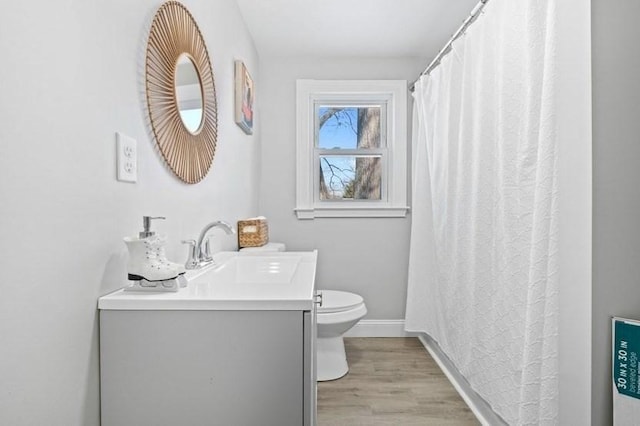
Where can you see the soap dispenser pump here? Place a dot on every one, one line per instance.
(146, 225)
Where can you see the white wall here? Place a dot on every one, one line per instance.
(70, 78)
(616, 176)
(573, 120)
(365, 256)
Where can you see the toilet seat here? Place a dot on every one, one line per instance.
(338, 301)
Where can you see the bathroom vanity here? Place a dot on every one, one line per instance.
(234, 347)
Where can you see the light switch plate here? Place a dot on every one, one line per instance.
(126, 158)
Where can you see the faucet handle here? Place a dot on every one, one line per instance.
(206, 250)
(192, 260)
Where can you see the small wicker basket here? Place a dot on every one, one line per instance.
(253, 232)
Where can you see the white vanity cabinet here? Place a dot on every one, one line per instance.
(204, 364)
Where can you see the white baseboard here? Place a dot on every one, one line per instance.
(379, 328)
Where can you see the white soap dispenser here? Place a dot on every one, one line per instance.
(148, 268)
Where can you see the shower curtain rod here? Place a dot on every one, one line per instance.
(447, 47)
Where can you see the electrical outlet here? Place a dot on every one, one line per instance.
(126, 158)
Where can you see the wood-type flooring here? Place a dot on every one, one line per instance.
(391, 381)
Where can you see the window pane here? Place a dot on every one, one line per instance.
(349, 177)
(348, 127)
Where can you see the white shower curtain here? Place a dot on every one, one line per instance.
(483, 260)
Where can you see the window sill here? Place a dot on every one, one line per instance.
(345, 212)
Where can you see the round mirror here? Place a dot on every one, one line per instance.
(188, 93)
(181, 93)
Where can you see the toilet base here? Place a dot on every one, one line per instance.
(331, 358)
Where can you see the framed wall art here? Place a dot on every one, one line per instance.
(245, 93)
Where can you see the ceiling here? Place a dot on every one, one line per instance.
(363, 28)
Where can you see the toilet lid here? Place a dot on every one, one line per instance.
(267, 247)
(337, 301)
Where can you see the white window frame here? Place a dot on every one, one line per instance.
(393, 93)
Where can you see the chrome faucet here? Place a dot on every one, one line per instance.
(200, 250)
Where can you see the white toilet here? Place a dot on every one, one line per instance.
(337, 314)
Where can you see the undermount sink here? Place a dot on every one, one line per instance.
(235, 281)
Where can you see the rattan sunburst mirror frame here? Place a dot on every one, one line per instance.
(174, 33)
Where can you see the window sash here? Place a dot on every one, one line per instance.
(382, 103)
(374, 153)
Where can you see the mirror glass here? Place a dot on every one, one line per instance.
(188, 91)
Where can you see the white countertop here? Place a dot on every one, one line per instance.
(238, 281)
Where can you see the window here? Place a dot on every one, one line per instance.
(351, 148)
